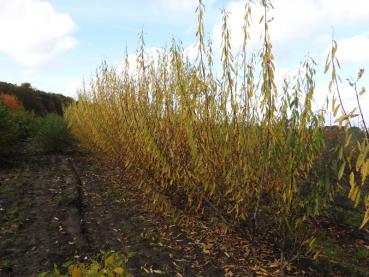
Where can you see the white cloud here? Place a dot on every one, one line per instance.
(303, 18)
(71, 88)
(354, 49)
(347, 95)
(297, 20)
(179, 5)
(32, 32)
(185, 6)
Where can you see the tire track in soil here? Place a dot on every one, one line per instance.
(66, 209)
(114, 223)
(117, 220)
(64, 214)
(40, 216)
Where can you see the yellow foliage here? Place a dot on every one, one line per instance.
(119, 270)
(109, 260)
(178, 129)
(174, 129)
(75, 272)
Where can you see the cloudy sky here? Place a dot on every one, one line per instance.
(54, 44)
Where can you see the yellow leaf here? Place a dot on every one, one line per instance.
(119, 270)
(366, 219)
(359, 161)
(336, 110)
(274, 264)
(348, 140)
(364, 171)
(342, 118)
(109, 260)
(352, 179)
(327, 65)
(357, 197)
(95, 266)
(340, 172)
(157, 271)
(76, 272)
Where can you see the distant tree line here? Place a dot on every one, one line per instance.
(37, 101)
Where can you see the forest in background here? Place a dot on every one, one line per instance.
(34, 100)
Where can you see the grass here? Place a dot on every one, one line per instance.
(342, 257)
(350, 217)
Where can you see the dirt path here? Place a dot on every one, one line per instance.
(114, 223)
(39, 218)
(118, 216)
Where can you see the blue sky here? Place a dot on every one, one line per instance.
(54, 44)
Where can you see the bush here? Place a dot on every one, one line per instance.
(26, 124)
(8, 133)
(53, 134)
(16, 127)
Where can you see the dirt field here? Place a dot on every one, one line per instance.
(69, 207)
(50, 215)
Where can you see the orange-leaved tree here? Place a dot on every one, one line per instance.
(11, 102)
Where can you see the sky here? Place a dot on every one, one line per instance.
(56, 44)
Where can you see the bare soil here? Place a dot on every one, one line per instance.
(40, 221)
(57, 208)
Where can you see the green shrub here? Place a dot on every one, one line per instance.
(53, 134)
(16, 127)
(8, 133)
(26, 124)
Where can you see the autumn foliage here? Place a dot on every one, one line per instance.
(34, 100)
(233, 143)
(11, 102)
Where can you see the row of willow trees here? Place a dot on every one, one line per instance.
(234, 143)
